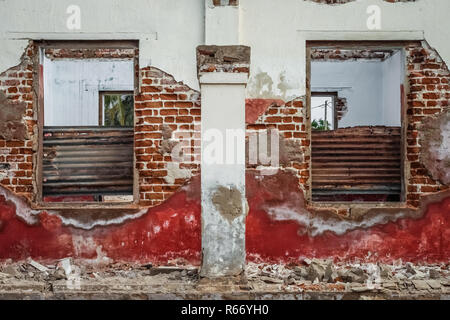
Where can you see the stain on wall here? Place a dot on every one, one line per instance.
(228, 201)
(12, 126)
(435, 141)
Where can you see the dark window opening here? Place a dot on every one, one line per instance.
(355, 112)
(88, 125)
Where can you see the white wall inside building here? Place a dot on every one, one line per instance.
(372, 89)
(71, 88)
(393, 71)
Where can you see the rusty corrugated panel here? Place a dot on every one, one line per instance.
(356, 160)
(87, 160)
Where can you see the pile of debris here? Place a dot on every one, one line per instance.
(315, 271)
(68, 269)
(68, 278)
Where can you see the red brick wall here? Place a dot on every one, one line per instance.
(164, 104)
(429, 95)
(289, 120)
(17, 155)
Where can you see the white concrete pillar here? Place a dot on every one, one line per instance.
(224, 206)
(221, 24)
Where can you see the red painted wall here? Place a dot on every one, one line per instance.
(178, 239)
(166, 232)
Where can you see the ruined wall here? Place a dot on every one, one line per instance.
(168, 117)
(281, 224)
(17, 123)
(429, 96)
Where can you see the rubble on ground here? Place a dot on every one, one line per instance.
(323, 277)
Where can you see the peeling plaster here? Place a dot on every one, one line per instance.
(79, 220)
(175, 172)
(23, 209)
(435, 141)
(261, 85)
(90, 224)
(12, 126)
(288, 203)
(228, 201)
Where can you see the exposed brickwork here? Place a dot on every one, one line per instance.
(16, 154)
(289, 121)
(429, 95)
(166, 109)
(318, 54)
(234, 59)
(104, 53)
(225, 2)
(163, 103)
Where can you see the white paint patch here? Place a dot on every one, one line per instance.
(105, 222)
(189, 219)
(82, 244)
(22, 208)
(316, 225)
(31, 216)
(174, 172)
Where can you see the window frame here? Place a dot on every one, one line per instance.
(101, 95)
(38, 101)
(404, 166)
(334, 96)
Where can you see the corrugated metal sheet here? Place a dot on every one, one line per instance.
(357, 160)
(87, 160)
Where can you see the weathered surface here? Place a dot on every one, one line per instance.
(281, 227)
(228, 201)
(169, 233)
(12, 126)
(223, 58)
(435, 141)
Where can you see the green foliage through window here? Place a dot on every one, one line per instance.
(119, 110)
(321, 125)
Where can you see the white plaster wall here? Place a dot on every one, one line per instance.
(170, 30)
(71, 88)
(277, 35)
(393, 71)
(360, 82)
(221, 24)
